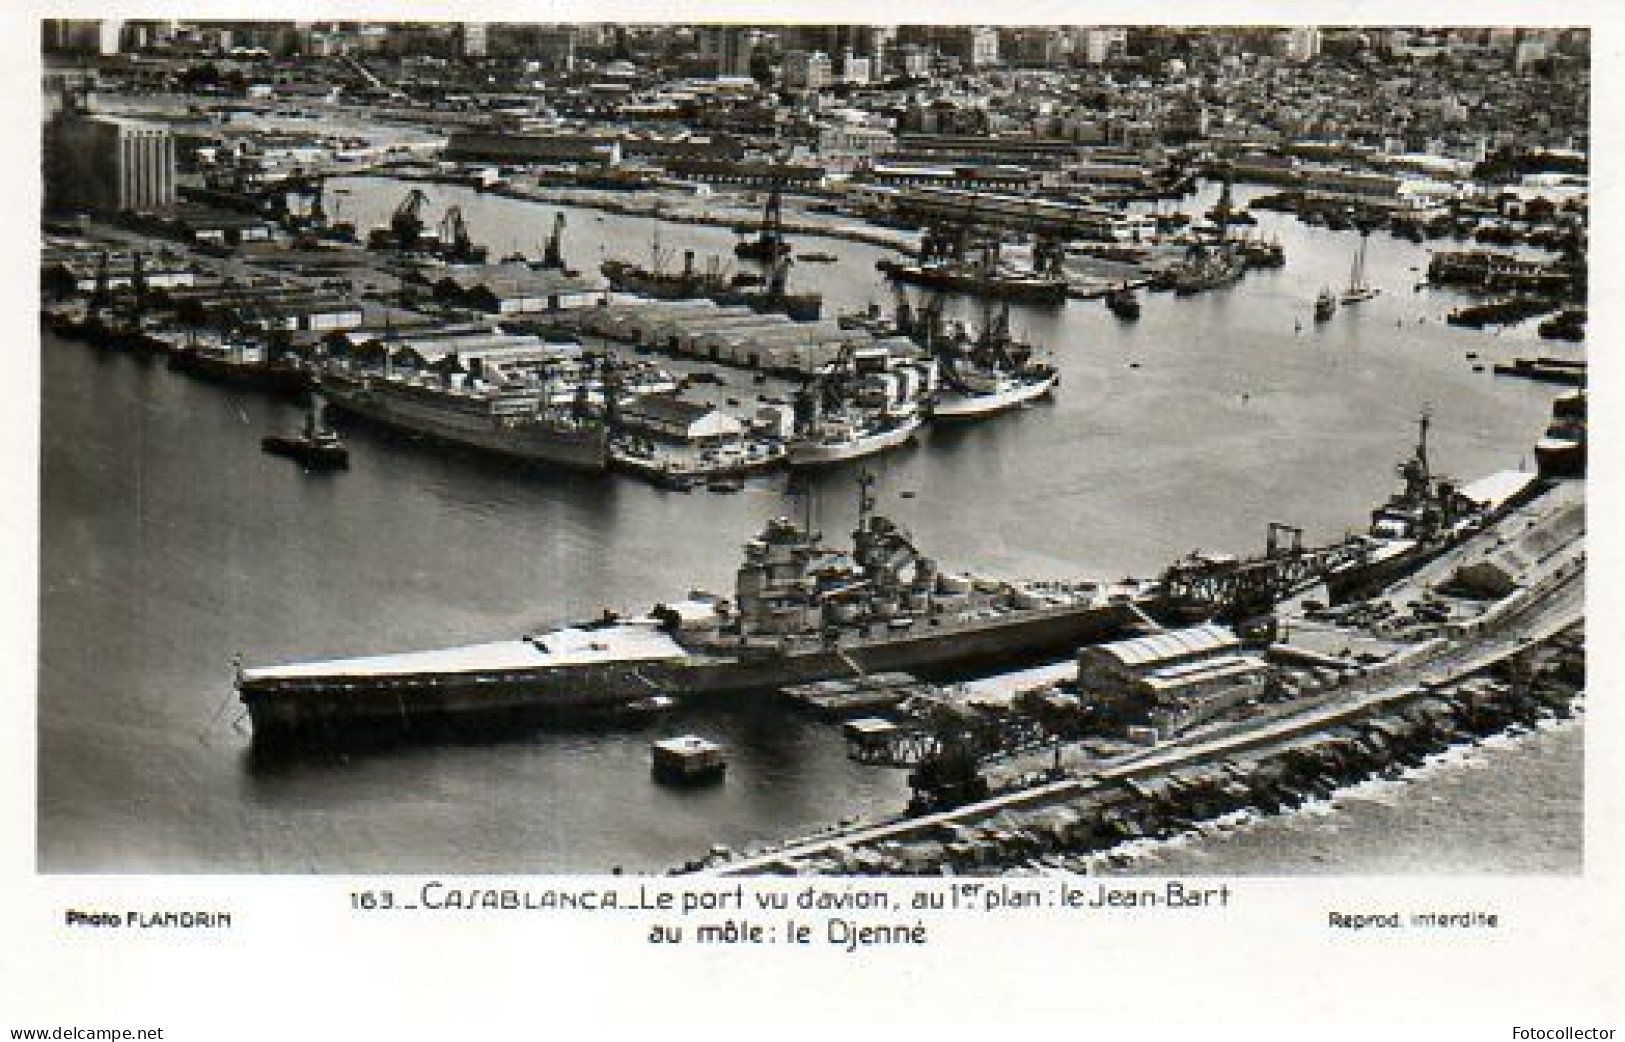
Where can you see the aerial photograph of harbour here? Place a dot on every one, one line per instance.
(770, 450)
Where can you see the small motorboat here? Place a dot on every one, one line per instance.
(1325, 305)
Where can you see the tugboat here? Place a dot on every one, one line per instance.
(317, 447)
(1325, 305)
(1123, 303)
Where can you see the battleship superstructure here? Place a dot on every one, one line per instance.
(1426, 516)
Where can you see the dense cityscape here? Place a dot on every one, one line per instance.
(594, 305)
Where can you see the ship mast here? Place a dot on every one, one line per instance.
(1223, 208)
(1415, 471)
(1422, 441)
(1357, 276)
(866, 498)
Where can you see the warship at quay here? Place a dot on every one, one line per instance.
(1425, 517)
(801, 612)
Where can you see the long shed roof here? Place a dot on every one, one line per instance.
(1159, 647)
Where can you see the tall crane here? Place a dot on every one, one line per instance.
(455, 242)
(553, 253)
(406, 224)
(769, 243)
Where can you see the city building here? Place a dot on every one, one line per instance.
(730, 46)
(1100, 46)
(80, 36)
(1530, 49)
(677, 419)
(1300, 44)
(911, 60)
(809, 71)
(844, 145)
(109, 163)
(550, 46)
(976, 46)
(855, 70)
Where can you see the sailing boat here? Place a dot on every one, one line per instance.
(1359, 289)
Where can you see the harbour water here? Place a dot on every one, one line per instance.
(170, 544)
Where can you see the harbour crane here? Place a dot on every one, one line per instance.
(406, 224)
(553, 253)
(455, 242)
(778, 276)
(101, 289)
(946, 745)
(769, 244)
(1234, 589)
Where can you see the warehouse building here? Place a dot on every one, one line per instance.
(1171, 680)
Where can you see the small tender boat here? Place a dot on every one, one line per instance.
(1325, 305)
(1123, 303)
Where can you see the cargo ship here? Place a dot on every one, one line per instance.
(770, 244)
(1206, 266)
(963, 277)
(714, 284)
(801, 612)
(522, 424)
(857, 408)
(986, 374)
(846, 436)
(237, 362)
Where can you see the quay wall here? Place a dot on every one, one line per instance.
(1268, 770)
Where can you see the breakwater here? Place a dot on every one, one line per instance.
(1084, 817)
